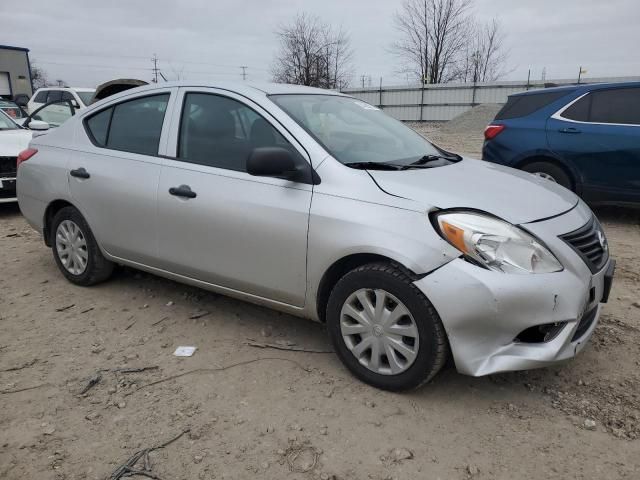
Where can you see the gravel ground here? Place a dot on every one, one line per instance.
(283, 414)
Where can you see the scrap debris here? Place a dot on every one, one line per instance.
(62, 309)
(277, 346)
(97, 377)
(199, 314)
(132, 468)
(20, 367)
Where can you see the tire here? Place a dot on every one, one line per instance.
(97, 268)
(431, 342)
(551, 172)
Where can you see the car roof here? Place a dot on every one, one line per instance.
(583, 87)
(240, 87)
(75, 89)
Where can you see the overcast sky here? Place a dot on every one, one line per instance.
(88, 42)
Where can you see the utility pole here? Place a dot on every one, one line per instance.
(580, 74)
(363, 78)
(154, 59)
(244, 72)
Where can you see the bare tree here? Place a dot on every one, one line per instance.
(312, 53)
(38, 76)
(486, 55)
(434, 34)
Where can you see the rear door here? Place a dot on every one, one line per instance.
(229, 228)
(114, 173)
(599, 134)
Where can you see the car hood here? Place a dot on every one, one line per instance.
(510, 194)
(12, 142)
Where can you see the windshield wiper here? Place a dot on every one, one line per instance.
(429, 161)
(373, 166)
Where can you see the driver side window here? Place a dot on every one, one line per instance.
(221, 132)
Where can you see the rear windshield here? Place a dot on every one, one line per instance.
(522, 105)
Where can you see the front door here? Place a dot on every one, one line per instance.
(219, 224)
(600, 135)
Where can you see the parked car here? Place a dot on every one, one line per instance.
(584, 137)
(320, 205)
(80, 97)
(13, 140)
(12, 109)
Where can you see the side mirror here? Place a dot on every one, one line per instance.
(272, 162)
(38, 125)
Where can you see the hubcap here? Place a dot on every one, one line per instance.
(546, 176)
(379, 331)
(72, 247)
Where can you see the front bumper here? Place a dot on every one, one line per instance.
(484, 312)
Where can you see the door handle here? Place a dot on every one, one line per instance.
(79, 173)
(570, 130)
(183, 191)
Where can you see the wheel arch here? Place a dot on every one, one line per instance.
(566, 168)
(50, 212)
(343, 265)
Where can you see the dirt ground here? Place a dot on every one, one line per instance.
(278, 414)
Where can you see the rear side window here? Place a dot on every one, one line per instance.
(621, 105)
(98, 126)
(522, 105)
(67, 96)
(41, 97)
(54, 96)
(133, 126)
(579, 111)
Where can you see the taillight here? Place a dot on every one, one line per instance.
(492, 131)
(25, 155)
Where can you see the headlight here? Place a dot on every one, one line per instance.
(496, 244)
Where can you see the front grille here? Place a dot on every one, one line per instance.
(585, 322)
(590, 243)
(8, 166)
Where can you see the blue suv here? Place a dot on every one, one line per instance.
(584, 137)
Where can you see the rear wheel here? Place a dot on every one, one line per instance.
(76, 251)
(384, 329)
(551, 172)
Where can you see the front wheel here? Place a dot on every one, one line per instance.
(76, 251)
(384, 329)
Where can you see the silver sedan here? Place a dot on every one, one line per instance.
(320, 205)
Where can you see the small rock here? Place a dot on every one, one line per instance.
(112, 390)
(400, 454)
(48, 430)
(169, 304)
(589, 424)
(370, 404)
(97, 348)
(91, 416)
(280, 452)
(264, 465)
(473, 470)
(146, 305)
(122, 404)
(197, 458)
(270, 429)
(324, 430)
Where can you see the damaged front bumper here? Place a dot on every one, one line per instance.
(499, 322)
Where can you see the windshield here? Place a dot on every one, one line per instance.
(86, 97)
(355, 132)
(6, 123)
